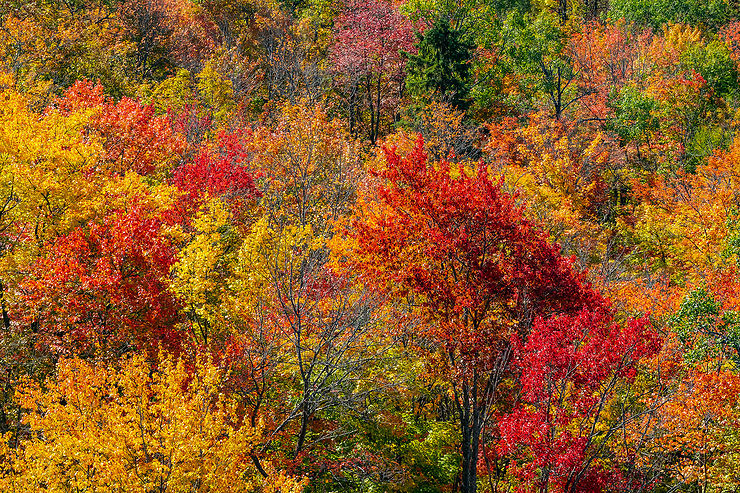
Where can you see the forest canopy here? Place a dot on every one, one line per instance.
(361, 246)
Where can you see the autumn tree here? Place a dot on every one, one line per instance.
(135, 427)
(606, 57)
(133, 137)
(284, 286)
(688, 432)
(458, 248)
(104, 287)
(561, 434)
(673, 112)
(685, 221)
(290, 44)
(370, 39)
(253, 274)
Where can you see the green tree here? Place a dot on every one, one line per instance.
(442, 64)
(656, 13)
(535, 53)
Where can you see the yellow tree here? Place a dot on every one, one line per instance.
(201, 276)
(687, 222)
(166, 427)
(253, 272)
(564, 172)
(288, 296)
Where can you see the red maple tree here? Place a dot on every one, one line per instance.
(477, 271)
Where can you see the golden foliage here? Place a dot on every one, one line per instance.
(140, 428)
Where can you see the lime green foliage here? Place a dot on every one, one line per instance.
(431, 451)
(706, 140)
(706, 329)
(534, 50)
(656, 13)
(412, 454)
(209, 93)
(635, 117)
(267, 250)
(714, 62)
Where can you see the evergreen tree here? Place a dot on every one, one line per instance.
(442, 64)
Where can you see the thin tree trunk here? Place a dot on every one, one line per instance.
(302, 432)
(470, 430)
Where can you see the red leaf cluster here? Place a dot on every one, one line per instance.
(105, 285)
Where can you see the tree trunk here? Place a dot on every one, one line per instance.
(302, 433)
(470, 461)
(471, 416)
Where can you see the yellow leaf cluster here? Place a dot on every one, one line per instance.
(312, 163)
(684, 220)
(209, 90)
(561, 176)
(202, 267)
(268, 252)
(139, 428)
